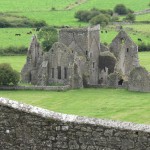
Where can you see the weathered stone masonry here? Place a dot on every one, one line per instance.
(24, 127)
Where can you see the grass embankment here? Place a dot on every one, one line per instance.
(116, 104)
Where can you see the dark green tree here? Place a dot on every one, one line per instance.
(100, 19)
(120, 9)
(82, 15)
(130, 17)
(8, 76)
(48, 36)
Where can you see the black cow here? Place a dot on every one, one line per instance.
(29, 32)
(139, 39)
(17, 34)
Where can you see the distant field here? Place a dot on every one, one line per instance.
(17, 62)
(144, 58)
(144, 17)
(46, 5)
(141, 33)
(116, 104)
(109, 4)
(8, 38)
(58, 18)
(32, 5)
(143, 28)
(41, 10)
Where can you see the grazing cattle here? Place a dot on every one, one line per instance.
(29, 32)
(37, 29)
(139, 39)
(106, 31)
(17, 34)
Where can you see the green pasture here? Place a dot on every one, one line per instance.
(41, 10)
(144, 17)
(57, 18)
(111, 33)
(46, 5)
(16, 62)
(110, 4)
(144, 58)
(32, 5)
(143, 28)
(8, 38)
(116, 104)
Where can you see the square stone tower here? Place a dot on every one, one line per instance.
(85, 42)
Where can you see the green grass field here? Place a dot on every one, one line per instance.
(144, 58)
(41, 10)
(116, 104)
(17, 62)
(46, 5)
(144, 17)
(32, 5)
(8, 38)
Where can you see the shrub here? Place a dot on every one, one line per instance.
(21, 22)
(82, 15)
(13, 50)
(114, 18)
(120, 9)
(144, 47)
(8, 76)
(130, 17)
(100, 19)
(4, 23)
(53, 9)
(39, 24)
(48, 36)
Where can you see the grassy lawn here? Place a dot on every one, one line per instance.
(8, 38)
(109, 4)
(16, 62)
(46, 5)
(32, 5)
(144, 28)
(144, 17)
(144, 58)
(116, 104)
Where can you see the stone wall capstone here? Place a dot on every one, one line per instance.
(24, 127)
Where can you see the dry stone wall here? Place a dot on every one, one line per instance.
(24, 127)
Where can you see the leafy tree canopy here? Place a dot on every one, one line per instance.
(47, 36)
(8, 76)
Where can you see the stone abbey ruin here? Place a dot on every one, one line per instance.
(79, 59)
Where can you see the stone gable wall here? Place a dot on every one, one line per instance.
(24, 127)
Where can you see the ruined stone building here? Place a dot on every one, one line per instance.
(79, 59)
